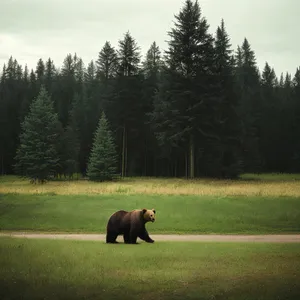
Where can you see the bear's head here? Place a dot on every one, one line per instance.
(149, 214)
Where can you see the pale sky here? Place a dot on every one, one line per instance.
(33, 29)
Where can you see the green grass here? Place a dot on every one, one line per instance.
(175, 214)
(43, 269)
(271, 176)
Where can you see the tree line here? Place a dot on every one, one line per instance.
(200, 108)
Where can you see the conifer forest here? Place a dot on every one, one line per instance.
(199, 108)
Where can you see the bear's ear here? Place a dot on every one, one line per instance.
(153, 210)
(144, 210)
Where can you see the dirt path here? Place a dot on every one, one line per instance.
(272, 238)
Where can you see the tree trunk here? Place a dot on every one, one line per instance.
(145, 160)
(192, 158)
(186, 165)
(124, 153)
(2, 165)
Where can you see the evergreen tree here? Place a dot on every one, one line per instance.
(79, 124)
(287, 119)
(37, 154)
(183, 106)
(40, 72)
(103, 160)
(153, 63)
(125, 108)
(107, 62)
(67, 86)
(107, 68)
(268, 76)
(296, 80)
(227, 160)
(94, 103)
(250, 106)
(152, 67)
(3, 122)
(129, 56)
(91, 72)
(26, 74)
(296, 103)
(79, 75)
(270, 124)
(50, 74)
(12, 95)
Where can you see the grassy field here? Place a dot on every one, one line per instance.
(175, 213)
(41, 269)
(53, 269)
(199, 206)
(273, 185)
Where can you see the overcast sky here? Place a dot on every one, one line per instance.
(33, 29)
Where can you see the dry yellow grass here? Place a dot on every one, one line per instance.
(263, 187)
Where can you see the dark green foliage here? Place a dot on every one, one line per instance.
(185, 99)
(270, 120)
(296, 103)
(152, 68)
(125, 107)
(197, 110)
(67, 86)
(128, 56)
(40, 71)
(13, 90)
(79, 123)
(50, 76)
(107, 62)
(37, 156)
(249, 93)
(103, 158)
(70, 151)
(227, 157)
(153, 62)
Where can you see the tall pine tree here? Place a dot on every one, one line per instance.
(125, 109)
(250, 108)
(183, 106)
(270, 125)
(227, 159)
(152, 67)
(107, 62)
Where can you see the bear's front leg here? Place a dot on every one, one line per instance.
(145, 236)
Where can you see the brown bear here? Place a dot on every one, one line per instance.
(131, 224)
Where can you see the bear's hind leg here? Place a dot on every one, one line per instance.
(132, 237)
(126, 238)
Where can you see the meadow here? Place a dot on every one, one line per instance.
(250, 205)
(64, 269)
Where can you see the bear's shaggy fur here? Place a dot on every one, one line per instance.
(130, 224)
